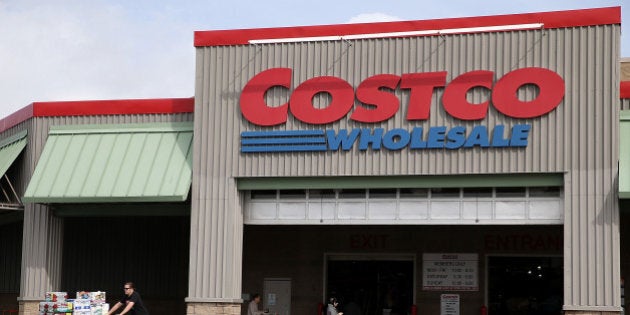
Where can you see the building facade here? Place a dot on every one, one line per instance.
(461, 165)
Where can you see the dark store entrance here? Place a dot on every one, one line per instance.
(524, 285)
(371, 286)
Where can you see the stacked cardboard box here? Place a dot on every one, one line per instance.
(86, 303)
(90, 303)
(56, 296)
(56, 303)
(82, 307)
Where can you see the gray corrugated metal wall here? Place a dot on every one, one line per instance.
(578, 138)
(625, 104)
(43, 233)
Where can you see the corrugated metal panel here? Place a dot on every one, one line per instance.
(41, 252)
(227, 69)
(579, 138)
(624, 157)
(625, 104)
(114, 163)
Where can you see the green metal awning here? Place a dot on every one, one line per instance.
(10, 148)
(624, 155)
(114, 163)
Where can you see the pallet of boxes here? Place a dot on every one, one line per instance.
(85, 303)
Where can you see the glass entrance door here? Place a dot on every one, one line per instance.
(524, 285)
(371, 287)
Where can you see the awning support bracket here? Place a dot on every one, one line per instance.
(12, 200)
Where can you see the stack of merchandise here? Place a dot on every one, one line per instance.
(56, 303)
(90, 303)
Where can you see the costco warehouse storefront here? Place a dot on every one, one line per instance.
(455, 165)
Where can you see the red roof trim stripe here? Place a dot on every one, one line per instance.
(100, 107)
(16, 118)
(556, 19)
(114, 107)
(624, 89)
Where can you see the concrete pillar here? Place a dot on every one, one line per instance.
(42, 249)
(216, 247)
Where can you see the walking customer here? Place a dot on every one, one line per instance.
(332, 307)
(131, 301)
(252, 308)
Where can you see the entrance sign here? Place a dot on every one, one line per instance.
(449, 304)
(450, 272)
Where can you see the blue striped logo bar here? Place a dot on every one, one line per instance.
(283, 141)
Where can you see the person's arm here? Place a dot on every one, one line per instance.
(127, 308)
(113, 309)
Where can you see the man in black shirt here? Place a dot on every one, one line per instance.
(131, 301)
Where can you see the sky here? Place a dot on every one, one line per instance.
(70, 50)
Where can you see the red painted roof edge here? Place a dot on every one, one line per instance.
(16, 118)
(99, 107)
(555, 19)
(624, 89)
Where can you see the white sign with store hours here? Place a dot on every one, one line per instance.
(450, 272)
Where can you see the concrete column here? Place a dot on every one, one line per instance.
(216, 247)
(42, 249)
(591, 243)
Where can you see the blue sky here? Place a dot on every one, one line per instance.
(57, 50)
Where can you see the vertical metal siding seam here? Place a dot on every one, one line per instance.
(26, 241)
(207, 206)
(616, 241)
(33, 273)
(593, 260)
(239, 227)
(41, 253)
(33, 256)
(196, 251)
(49, 252)
(223, 171)
(598, 159)
(218, 207)
(611, 232)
